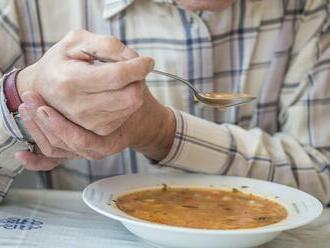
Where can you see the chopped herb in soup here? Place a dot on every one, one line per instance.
(202, 208)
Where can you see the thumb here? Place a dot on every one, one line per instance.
(36, 162)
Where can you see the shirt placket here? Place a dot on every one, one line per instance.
(200, 68)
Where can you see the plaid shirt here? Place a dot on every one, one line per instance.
(278, 50)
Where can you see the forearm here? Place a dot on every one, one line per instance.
(202, 146)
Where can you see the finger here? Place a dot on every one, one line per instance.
(113, 103)
(101, 45)
(102, 113)
(101, 122)
(83, 142)
(53, 139)
(106, 128)
(36, 162)
(114, 76)
(33, 100)
(27, 114)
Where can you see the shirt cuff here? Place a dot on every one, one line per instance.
(200, 145)
(176, 147)
(5, 182)
(6, 179)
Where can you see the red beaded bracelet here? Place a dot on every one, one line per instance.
(10, 90)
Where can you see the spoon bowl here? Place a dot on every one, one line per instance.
(224, 100)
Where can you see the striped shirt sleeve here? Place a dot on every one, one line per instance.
(11, 138)
(203, 146)
(297, 154)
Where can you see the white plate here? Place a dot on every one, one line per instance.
(302, 208)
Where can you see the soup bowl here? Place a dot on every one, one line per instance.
(301, 207)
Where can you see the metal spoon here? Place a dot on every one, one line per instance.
(216, 99)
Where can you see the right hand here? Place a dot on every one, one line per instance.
(98, 97)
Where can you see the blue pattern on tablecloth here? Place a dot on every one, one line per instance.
(13, 223)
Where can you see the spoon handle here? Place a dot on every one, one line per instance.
(176, 78)
(108, 60)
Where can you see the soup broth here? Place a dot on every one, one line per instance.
(202, 208)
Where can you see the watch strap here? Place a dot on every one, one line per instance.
(10, 90)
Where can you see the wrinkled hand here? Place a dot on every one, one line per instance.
(97, 96)
(150, 130)
(74, 108)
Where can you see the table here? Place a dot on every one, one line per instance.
(60, 219)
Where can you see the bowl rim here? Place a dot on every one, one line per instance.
(164, 227)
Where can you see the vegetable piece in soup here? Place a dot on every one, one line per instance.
(202, 208)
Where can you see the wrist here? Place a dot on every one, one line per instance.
(24, 80)
(154, 134)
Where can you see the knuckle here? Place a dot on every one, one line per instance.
(91, 127)
(145, 64)
(78, 114)
(117, 47)
(109, 128)
(74, 35)
(103, 130)
(101, 126)
(112, 39)
(97, 128)
(115, 43)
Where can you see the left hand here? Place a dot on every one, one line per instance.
(150, 130)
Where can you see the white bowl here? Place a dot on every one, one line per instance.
(302, 208)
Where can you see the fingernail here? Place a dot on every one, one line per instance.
(28, 100)
(43, 115)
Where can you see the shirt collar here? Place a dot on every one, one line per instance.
(113, 7)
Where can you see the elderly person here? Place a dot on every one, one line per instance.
(74, 108)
